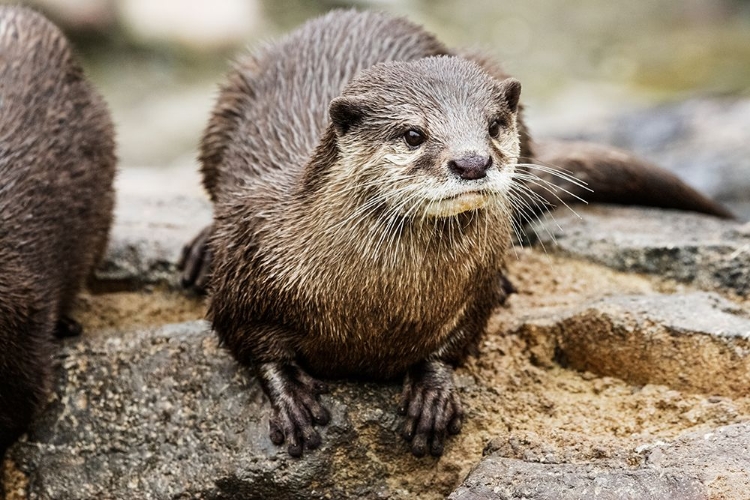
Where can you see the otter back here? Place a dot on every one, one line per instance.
(273, 108)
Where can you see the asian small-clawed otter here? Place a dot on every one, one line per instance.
(57, 166)
(365, 180)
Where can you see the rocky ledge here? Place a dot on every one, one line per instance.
(694, 467)
(620, 370)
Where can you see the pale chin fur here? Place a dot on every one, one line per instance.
(457, 197)
(458, 205)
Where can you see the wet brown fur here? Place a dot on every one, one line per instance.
(57, 165)
(394, 332)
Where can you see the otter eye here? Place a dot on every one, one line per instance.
(414, 137)
(495, 129)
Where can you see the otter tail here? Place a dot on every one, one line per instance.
(565, 172)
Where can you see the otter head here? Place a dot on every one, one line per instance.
(432, 138)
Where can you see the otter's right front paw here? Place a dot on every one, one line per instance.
(294, 396)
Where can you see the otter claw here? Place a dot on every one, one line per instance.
(294, 396)
(432, 407)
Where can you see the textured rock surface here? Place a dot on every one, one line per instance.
(167, 414)
(706, 465)
(696, 342)
(164, 413)
(710, 253)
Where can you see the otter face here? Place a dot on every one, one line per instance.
(432, 138)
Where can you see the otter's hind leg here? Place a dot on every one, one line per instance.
(195, 262)
(25, 369)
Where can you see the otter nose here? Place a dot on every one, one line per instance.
(471, 167)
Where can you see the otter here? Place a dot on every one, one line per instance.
(57, 167)
(365, 180)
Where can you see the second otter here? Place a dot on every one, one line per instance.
(57, 166)
(363, 178)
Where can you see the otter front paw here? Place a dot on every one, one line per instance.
(432, 407)
(294, 396)
(195, 262)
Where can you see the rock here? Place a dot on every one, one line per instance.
(166, 413)
(703, 465)
(692, 248)
(697, 342)
(151, 226)
(501, 479)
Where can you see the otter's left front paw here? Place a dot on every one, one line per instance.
(432, 407)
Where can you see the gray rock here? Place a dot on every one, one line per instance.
(692, 248)
(698, 342)
(166, 414)
(702, 465)
(497, 478)
(150, 230)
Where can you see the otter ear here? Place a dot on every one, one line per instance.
(347, 112)
(509, 91)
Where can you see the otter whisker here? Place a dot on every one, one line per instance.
(558, 168)
(386, 238)
(508, 216)
(573, 180)
(541, 204)
(559, 172)
(368, 206)
(524, 201)
(407, 216)
(522, 212)
(529, 176)
(529, 222)
(389, 218)
(534, 179)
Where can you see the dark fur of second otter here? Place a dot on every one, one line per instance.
(57, 166)
(362, 176)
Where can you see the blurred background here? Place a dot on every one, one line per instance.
(583, 63)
